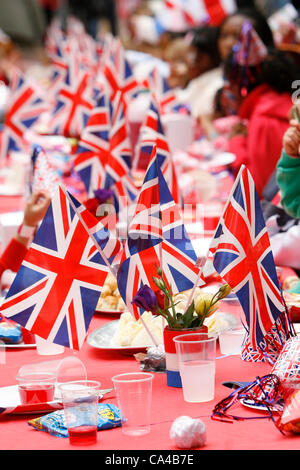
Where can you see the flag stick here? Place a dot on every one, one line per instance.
(200, 264)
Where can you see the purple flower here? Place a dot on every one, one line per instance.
(145, 299)
(103, 195)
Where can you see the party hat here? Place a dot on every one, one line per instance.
(250, 50)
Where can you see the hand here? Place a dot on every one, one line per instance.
(36, 208)
(291, 141)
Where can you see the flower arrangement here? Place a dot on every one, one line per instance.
(161, 302)
(101, 196)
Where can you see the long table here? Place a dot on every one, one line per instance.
(167, 405)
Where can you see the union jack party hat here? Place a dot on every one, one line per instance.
(250, 49)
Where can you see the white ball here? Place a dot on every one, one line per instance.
(188, 432)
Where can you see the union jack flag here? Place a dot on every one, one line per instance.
(152, 133)
(74, 101)
(196, 12)
(104, 157)
(118, 163)
(118, 74)
(287, 365)
(25, 106)
(106, 240)
(242, 256)
(164, 95)
(156, 237)
(93, 147)
(59, 67)
(57, 287)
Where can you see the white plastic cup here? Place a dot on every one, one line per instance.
(134, 395)
(80, 400)
(46, 348)
(196, 355)
(231, 340)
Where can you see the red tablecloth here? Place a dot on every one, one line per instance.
(168, 404)
(11, 204)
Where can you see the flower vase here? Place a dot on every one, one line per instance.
(172, 367)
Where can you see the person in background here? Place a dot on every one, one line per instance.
(230, 29)
(260, 79)
(223, 103)
(205, 74)
(13, 255)
(179, 55)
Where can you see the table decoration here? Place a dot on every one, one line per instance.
(263, 391)
(190, 320)
(156, 236)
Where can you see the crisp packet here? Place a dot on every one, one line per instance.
(54, 423)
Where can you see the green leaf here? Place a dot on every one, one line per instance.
(188, 316)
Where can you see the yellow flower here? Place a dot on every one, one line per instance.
(224, 291)
(203, 304)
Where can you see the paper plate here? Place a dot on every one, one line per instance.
(17, 346)
(218, 160)
(10, 402)
(109, 312)
(101, 339)
(259, 407)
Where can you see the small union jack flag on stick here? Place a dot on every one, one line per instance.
(103, 158)
(152, 133)
(165, 96)
(118, 74)
(93, 147)
(57, 287)
(242, 256)
(118, 176)
(156, 237)
(74, 101)
(25, 106)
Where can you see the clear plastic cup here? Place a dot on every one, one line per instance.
(196, 355)
(68, 369)
(80, 400)
(231, 340)
(134, 395)
(36, 387)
